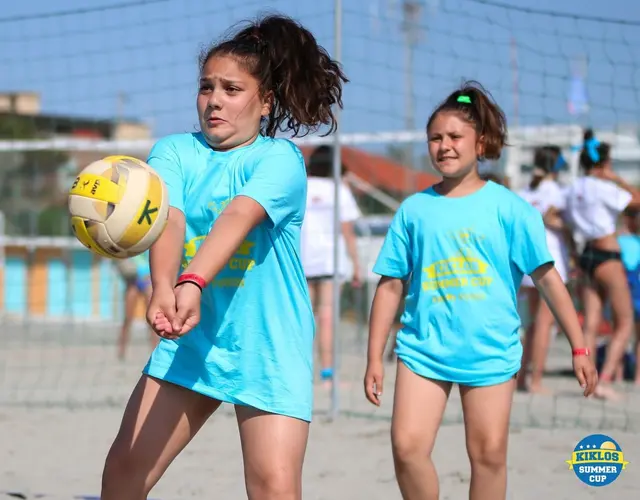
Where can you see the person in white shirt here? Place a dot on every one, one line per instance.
(594, 203)
(546, 195)
(318, 247)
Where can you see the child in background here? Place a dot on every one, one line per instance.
(629, 240)
(317, 248)
(463, 246)
(137, 281)
(545, 195)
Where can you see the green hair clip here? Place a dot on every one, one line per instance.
(465, 99)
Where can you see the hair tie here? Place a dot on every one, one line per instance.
(592, 149)
(559, 164)
(465, 99)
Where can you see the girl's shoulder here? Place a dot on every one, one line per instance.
(180, 143)
(277, 146)
(272, 150)
(511, 203)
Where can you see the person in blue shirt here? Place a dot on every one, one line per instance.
(136, 275)
(143, 273)
(230, 298)
(629, 240)
(462, 246)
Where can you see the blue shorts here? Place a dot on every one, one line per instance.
(143, 283)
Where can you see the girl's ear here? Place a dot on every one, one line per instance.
(480, 148)
(267, 104)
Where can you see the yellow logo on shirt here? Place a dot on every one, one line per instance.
(233, 274)
(238, 265)
(462, 270)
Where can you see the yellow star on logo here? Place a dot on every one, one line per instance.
(245, 248)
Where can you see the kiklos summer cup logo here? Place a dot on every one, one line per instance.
(597, 460)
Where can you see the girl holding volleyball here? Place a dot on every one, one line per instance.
(236, 321)
(463, 246)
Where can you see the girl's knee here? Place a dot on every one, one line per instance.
(408, 447)
(273, 483)
(625, 327)
(118, 463)
(123, 467)
(488, 454)
(324, 314)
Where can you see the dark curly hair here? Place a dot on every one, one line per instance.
(287, 61)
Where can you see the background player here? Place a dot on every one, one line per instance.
(545, 195)
(594, 203)
(461, 323)
(317, 247)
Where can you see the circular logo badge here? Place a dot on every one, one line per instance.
(597, 460)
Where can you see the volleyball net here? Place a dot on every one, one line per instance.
(83, 83)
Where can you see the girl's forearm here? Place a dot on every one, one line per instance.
(385, 305)
(557, 296)
(166, 253)
(351, 242)
(227, 234)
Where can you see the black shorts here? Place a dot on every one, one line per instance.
(592, 257)
(317, 279)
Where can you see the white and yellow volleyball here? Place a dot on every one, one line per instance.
(119, 206)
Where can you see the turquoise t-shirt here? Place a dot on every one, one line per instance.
(630, 249)
(254, 343)
(142, 265)
(464, 259)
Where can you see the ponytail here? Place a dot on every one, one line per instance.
(594, 153)
(536, 179)
(473, 103)
(293, 71)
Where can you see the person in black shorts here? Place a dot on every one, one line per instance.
(594, 203)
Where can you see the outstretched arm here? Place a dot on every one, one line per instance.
(231, 228)
(227, 234)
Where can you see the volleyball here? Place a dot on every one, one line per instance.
(118, 206)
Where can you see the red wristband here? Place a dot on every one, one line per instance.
(192, 278)
(581, 352)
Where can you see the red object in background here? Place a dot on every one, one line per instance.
(380, 171)
(605, 328)
(87, 133)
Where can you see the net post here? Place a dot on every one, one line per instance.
(3, 268)
(337, 178)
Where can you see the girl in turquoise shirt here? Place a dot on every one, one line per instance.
(463, 247)
(230, 299)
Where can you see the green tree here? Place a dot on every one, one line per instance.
(29, 181)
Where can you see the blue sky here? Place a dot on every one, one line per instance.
(81, 62)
